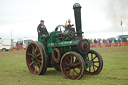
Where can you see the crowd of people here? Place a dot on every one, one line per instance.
(108, 42)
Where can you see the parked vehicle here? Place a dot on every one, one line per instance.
(24, 41)
(6, 44)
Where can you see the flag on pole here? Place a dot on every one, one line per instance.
(121, 23)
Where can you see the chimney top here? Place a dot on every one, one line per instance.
(76, 5)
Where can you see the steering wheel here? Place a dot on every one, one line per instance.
(59, 27)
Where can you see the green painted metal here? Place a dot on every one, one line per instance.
(60, 44)
(42, 39)
(53, 42)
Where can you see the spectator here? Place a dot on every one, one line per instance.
(99, 44)
(95, 42)
(119, 42)
(21, 43)
(115, 40)
(107, 42)
(110, 41)
(103, 40)
(103, 45)
(17, 45)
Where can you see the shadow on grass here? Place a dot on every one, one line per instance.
(52, 71)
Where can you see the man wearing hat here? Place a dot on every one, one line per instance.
(41, 29)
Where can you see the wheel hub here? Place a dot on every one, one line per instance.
(34, 58)
(71, 66)
(90, 63)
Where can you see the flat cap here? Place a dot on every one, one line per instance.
(41, 20)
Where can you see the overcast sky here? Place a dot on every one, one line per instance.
(100, 18)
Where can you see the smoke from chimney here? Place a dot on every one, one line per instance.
(117, 11)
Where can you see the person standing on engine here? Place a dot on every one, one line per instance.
(41, 29)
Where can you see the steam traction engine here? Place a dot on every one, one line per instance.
(65, 50)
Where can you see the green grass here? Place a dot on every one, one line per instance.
(13, 70)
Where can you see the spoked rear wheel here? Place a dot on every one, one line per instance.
(94, 63)
(36, 58)
(72, 65)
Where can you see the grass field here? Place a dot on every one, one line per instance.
(13, 70)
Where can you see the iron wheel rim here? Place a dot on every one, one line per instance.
(72, 65)
(34, 58)
(94, 63)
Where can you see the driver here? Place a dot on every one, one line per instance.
(69, 24)
(41, 29)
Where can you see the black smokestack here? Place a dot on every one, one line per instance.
(77, 13)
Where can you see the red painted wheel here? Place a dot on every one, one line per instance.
(72, 65)
(93, 62)
(36, 58)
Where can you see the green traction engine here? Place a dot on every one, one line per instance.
(65, 50)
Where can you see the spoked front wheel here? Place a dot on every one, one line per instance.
(72, 65)
(93, 62)
(36, 58)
